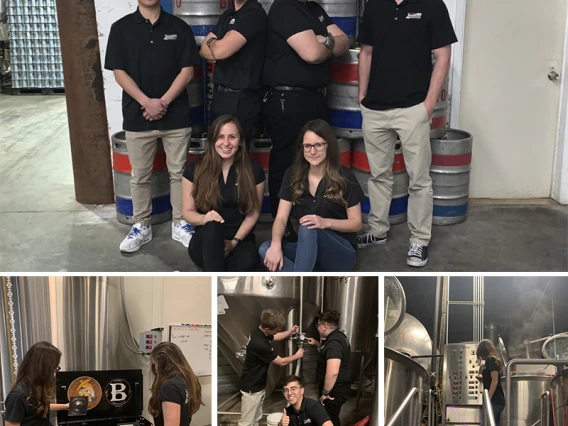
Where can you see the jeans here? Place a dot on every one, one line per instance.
(497, 410)
(316, 249)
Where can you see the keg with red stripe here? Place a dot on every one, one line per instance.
(343, 96)
(161, 207)
(345, 152)
(450, 171)
(399, 203)
(196, 148)
(196, 103)
(260, 152)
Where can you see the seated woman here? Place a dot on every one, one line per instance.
(222, 195)
(325, 197)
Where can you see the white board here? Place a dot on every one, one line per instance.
(194, 340)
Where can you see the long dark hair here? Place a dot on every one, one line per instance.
(207, 170)
(485, 349)
(172, 363)
(334, 182)
(36, 374)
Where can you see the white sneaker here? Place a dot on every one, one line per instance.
(136, 238)
(182, 232)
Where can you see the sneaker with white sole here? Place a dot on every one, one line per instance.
(366, 238)
(182, 232)
(136, 238)
(417, 255)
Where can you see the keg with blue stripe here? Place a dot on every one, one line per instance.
(201, 15)
(343, 96)
(161, 207)
(450, 172)
(344, 14)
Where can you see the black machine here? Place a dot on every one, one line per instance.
(97, 398)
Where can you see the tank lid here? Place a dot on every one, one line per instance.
(406, 361)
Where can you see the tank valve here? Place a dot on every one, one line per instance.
(301, 337)
(268, 282)
(241, 355)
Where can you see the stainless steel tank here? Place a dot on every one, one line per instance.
(559, 391)
(401, 375)
(243, 300)
(357, 301)
(411, 338)
(79, 315)
(526, 392)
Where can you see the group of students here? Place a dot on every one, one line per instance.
(333, 372)
(175, 392)
(275, 69)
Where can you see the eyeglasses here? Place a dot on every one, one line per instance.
(58, 369)
(287, 391)
(318, 146)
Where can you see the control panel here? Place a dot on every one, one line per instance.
(460, 370)
(149, 340)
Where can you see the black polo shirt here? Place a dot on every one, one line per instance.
(243, 70)
(153, 55)
(230, 209)
(22, 409)
(175, 390)
(336, 346)
(491, 365)
(309, 410)
(403, 37)
(320, 205)
(259, 355)
(283, 66)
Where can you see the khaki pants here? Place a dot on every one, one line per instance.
(251, 408)
(380, 129)
(142, 148)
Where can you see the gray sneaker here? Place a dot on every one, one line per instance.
(366, 238)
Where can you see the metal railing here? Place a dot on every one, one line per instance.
(411, 395)
(487, 410)
(544, 396)
(431, 415)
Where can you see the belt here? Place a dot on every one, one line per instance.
(225, 89)
(298, 89)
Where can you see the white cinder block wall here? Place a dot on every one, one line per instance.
(154, 302)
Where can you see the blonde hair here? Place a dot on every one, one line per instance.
(485, 349)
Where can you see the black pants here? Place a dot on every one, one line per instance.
(339, 393)
(246, 106)
(206, 250)
(285, 113)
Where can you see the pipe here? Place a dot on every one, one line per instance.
(435, 337)
(508, 368)
(488, 409)
(405, 403)
(545, 397)
(430, 397)
(361, 379)
(228, 399)
(291, 351)
(300, 325)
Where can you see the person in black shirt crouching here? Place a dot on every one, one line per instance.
(333, 369)
(326, 199)
(491, 376)
(176, 391)
(222, 195)
(28, 403)
(301, 410)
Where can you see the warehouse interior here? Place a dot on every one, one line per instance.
(514, 218)
(433, 326)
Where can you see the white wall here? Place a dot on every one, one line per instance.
(154, 302)
(108, 12)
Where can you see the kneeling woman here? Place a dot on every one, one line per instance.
(28, 403)
(325, 197)
(176, 391)
(222, 195)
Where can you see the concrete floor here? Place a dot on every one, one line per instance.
(44, 229)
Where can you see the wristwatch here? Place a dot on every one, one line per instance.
(329, 42)
(237, 240)
(210, 40)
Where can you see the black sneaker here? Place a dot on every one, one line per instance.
(290, 234)
(366, 238)
(417, 255)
